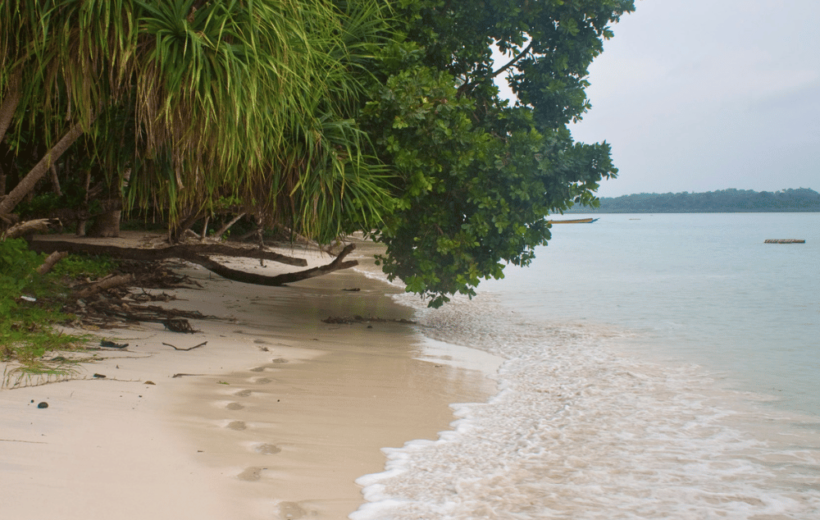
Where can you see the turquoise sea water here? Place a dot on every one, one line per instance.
(657, 366)
(700, 288)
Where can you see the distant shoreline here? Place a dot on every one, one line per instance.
(598, 211)
(802, 200)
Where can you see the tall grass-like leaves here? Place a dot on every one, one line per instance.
(249, 100)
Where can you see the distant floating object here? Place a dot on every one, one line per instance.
(784, 241)
(576, 221)
(634, 219)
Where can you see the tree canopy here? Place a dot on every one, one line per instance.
(322, 116)
(477, 175)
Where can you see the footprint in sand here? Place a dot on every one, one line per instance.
(291, 511)
(262, 380)
(258, 369)
(261, 342)
(243, 393)
(251, 474)
(267, 449)
(237, 425)
(279, 360)
(234, 406)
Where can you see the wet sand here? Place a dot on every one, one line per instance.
(280, 415)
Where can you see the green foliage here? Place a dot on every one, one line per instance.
(201, 101)
(82, 266)
(721, 201)
(478, 176)
(26, 334)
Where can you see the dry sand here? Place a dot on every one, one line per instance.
(281, 413)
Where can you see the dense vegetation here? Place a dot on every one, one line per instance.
(721, 201)
(318, 117)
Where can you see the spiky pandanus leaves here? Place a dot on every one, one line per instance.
(228, 100)
(264, 89)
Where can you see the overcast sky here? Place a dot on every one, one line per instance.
(702, 95)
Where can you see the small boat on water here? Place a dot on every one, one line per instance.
(576, 221)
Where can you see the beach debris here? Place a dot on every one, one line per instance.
(150, 382)
(347, 320)
(98, 376)
(42, 405)
(352, 289)
(186, 349)
(222, 383)
(28, 298)
(784, 241)
(179, 325)
(186, 375)
(110, 344)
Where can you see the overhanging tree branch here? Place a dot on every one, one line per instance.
(467, 86)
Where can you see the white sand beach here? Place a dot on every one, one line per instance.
(275, 417)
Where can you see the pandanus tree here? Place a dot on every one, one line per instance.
(202, 101)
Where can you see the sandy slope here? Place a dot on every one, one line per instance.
(281, 414)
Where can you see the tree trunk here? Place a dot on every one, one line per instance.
(28, 182)
(178, 251)
(204, 234)
(56, 181)
(9, 104)
(224, 229)
(107, 224)
(83, 219)
(178, 233)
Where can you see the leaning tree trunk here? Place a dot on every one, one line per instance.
(107, 224)
(28, 182)
(9, 104)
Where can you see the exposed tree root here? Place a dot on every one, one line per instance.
(282, 279)
(183, 251)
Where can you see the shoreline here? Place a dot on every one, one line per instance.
(287, 412)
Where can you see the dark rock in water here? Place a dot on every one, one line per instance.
(43, 405)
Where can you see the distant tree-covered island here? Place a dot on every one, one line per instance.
(721, 201)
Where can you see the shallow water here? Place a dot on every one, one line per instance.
(656, 368)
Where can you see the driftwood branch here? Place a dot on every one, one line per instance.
(282, 279)
(228, 225)
(51, 261)
(467, 86)
(105, 283)
(30, 227)
(184, 251)
(185, 349)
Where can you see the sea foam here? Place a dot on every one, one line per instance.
(580, 429)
